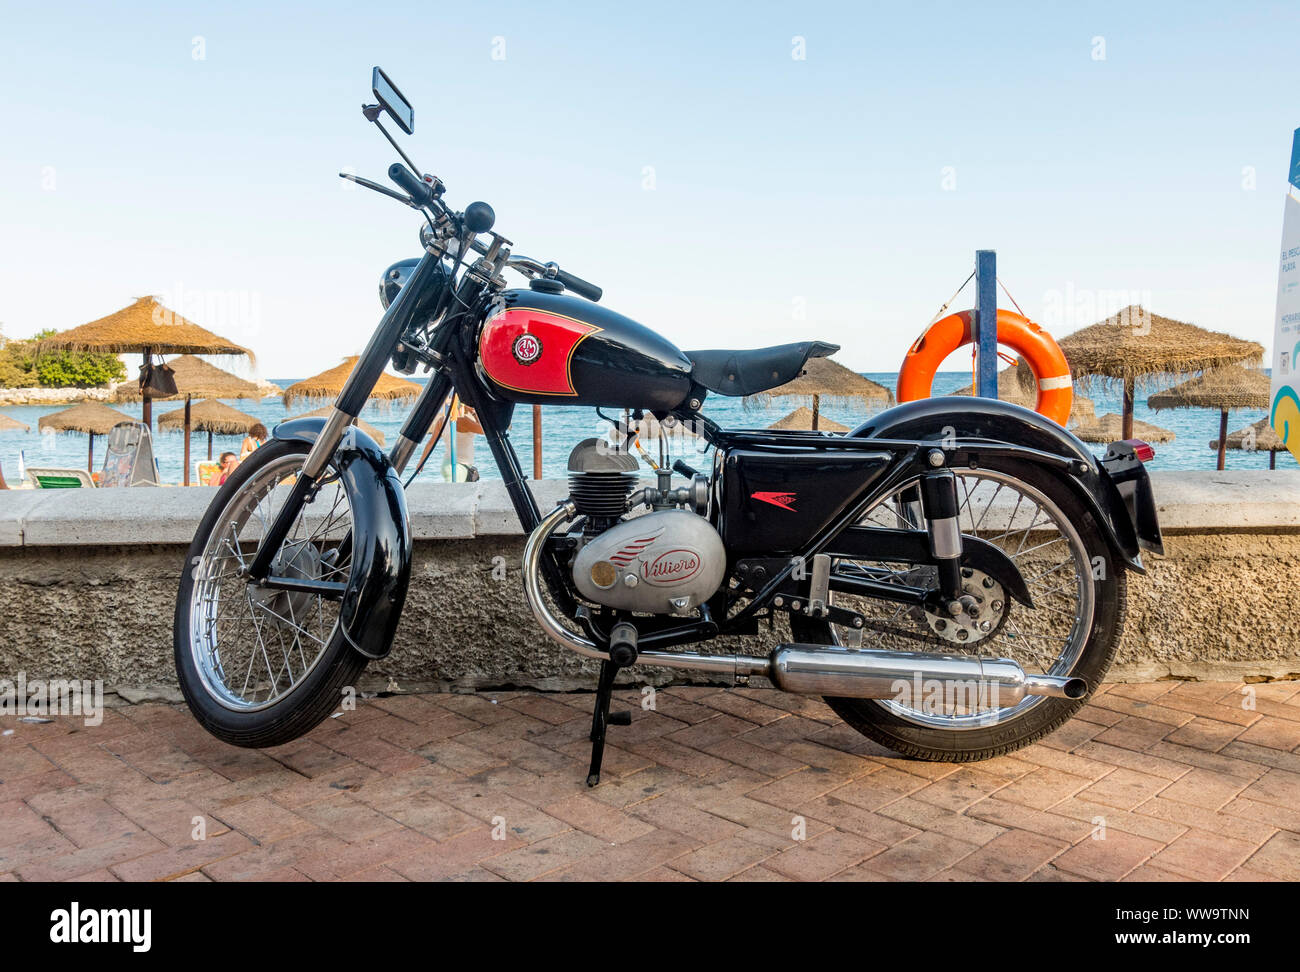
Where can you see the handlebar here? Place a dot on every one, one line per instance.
(421, 192)
(481, 218)
(579, 286)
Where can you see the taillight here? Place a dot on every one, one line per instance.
(1143, 450)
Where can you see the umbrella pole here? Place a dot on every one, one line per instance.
(90, 456)
(537, 442)
(817, 407)
(187, 440)
(209, 445)
(1272, 459)
(1127, 430)
(1223, 440)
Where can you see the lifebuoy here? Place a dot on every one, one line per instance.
(1031, 342)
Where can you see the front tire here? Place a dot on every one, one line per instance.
(1101, 587)
(259, 668)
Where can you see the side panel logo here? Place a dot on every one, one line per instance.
(783, 500)
(672, 567)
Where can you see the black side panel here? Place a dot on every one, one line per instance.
(381, 538)
(774, 503)
(935, 419)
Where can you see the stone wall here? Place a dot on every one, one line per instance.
(88, 582)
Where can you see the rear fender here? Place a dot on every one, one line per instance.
(381, 536)
(937, 419)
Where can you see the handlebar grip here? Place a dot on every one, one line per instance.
(415, 187)
(579, 286)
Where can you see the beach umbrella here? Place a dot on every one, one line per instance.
(8, 424)
(145, 327)
(1110, 427)
(1260, 437)
(196, 378)
(327, 385)
(1223, 389)
(210, 416)
(801, 419)
(365, 427)
(1136, 346)
(1016, 385)
(92, 418)
(825, 378)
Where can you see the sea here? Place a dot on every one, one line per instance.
(563, 427)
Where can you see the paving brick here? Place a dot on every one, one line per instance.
(1011, 856)
(1204, 856)
(722, 860)
(1109, 859)
(917, 859)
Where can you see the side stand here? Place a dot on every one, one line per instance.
(601, 718)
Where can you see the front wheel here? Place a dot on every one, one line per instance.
(1073, 628)
(260, 667)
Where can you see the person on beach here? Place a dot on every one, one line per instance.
(467, 427)
(256, 436)
(229, 463)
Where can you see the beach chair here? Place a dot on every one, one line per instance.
(129, 459)
(207, 472)
(54, 478)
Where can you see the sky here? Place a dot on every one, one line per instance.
(733, 175)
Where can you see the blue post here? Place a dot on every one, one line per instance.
(986, 319)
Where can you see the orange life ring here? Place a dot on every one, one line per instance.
(1035, 345)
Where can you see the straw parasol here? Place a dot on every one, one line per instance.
(1016, 385)
(146, 327)
(8, 424)
(365, 427)
(801, 419)
(93, 418)
(327, 385)
(1260, 437)
(210, 416)
(824, 378)
(1110, 427)
(1136, 345)
(1223, 389)
(197, 378)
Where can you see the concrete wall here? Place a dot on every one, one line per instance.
(88, 582)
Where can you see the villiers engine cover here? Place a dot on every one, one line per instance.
(665, 562)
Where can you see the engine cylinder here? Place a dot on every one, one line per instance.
(601, 476)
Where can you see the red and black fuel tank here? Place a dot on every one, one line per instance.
(553, 349)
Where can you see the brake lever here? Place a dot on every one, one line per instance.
(390, 193)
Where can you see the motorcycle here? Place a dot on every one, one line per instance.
(952, 572)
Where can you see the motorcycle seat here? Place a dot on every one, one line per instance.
(738, 373)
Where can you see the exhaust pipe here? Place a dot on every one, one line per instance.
(913, 677)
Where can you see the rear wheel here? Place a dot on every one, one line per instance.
(260, 667)
(1073, 628)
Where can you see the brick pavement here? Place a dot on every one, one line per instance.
(1167, 781)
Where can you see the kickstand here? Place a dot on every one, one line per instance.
(601, 718)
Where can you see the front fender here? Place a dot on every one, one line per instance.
(988, 418)
(381, 536)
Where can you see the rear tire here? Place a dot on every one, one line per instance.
(320, 689)
(877, 720)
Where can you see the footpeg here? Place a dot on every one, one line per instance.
(622, 645)
(621, 718)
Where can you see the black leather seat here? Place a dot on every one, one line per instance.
(738, 373)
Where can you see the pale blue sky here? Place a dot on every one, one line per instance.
(129, 167)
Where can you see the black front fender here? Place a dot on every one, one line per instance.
(988, 418)
(381, 536)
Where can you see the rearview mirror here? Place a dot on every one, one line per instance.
(391, 100)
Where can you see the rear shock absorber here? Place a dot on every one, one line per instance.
(939, 507)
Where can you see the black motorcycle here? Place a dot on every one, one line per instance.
(952, 571)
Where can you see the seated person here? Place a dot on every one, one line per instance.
(229, 463)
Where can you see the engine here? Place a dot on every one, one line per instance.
(667, 561)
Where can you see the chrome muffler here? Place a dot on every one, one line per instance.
(913, 678)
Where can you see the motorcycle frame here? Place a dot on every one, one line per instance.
(450, 350)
